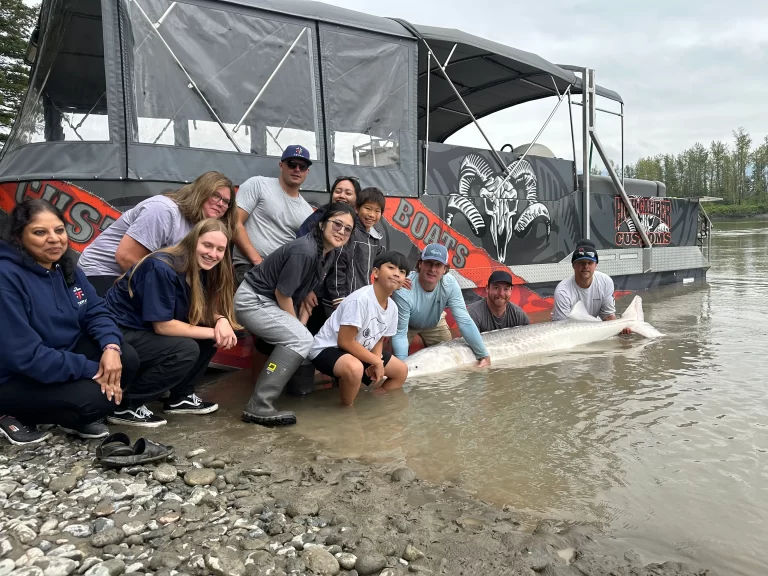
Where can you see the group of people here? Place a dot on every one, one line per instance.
(139, 316)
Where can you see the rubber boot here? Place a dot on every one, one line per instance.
(278, 369)
(303, 380)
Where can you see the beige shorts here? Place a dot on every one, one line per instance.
(432, 336)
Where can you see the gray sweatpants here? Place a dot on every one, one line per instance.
(264, 319)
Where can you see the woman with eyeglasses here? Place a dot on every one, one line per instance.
(156, 223)
(345, 190)
(268, 304)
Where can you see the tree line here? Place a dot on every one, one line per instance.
(737, 171)
(16, 23)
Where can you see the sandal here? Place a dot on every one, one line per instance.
(117, 444)
(143, 452)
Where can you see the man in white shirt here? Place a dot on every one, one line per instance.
(270, 210)
(594, 289)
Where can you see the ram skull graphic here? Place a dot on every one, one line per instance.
(501, 199)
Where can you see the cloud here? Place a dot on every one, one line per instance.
(689, 71)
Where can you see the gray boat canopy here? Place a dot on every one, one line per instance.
(160, 90)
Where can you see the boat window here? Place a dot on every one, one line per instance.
(220, 80)
(67, 93)
(366, 80)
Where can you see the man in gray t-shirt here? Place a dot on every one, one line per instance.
(588, 286)
(271, 210)
(495, 311)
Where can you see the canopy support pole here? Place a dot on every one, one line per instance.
(269, 80)
(587, 117)
(191, 82)
(591, 134)
(573, 143)
(426, 137)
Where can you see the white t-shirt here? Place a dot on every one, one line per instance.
(362, 310)
(274, 217)
(597, 299)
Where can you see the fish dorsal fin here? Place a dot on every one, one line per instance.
(579, 312)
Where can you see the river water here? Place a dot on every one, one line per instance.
(663, 443)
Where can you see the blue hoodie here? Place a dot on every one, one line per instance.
(44, 318)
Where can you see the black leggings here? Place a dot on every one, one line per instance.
(167, 363)
(72, 404)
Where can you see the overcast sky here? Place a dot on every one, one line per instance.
(688, 70)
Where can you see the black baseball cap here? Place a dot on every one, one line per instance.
(500, 276)
(585, 250)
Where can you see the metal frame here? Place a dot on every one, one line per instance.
(589, 133)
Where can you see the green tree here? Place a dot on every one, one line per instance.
(16, 23)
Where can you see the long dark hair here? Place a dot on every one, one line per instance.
(21, 216)
(332, 210)
(355, 184)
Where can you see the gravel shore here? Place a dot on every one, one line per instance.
(268, 509)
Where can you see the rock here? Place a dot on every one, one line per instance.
(346, 560)
(131, 528)
(169, 517)
(196, 452)
(320, 562)
(200, 477)
(65, 482)
(24, 533)
(259, 562)
(165, 473)
(78, 530)
(412, 553)
(49, 526)
(299, 541)
(67, 551)
(104, 508)
(308, 508)
(102, 524)
(216, 464)
(56, 566)
(88, 563)
(165, 560)
(404, 475)
(32, 494)
(112, 567)
(29, 571)
(6, 567)
(111, 536)
(370, 564)
(253, 544)
(225, 563)
(232, 477)
(5, 547)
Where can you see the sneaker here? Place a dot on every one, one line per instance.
(141, 416)
(191, 404)
(20, 434)
(88, 431)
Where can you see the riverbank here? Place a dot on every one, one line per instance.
(269, 507)
(717, 211)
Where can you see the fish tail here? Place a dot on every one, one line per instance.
(634, 313)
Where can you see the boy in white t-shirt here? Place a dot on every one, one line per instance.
(350, 344)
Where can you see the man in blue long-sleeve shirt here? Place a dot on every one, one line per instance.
(421, 310)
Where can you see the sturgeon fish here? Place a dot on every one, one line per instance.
(579, 328)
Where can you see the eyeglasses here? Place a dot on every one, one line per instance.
(586, 254)
(292, 164)
(338, 226)
(219, 199)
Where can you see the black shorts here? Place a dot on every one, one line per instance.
(326, 360)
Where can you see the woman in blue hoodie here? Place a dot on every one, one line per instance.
(61, 355)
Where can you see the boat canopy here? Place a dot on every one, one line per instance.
(160, 90)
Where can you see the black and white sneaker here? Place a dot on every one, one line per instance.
(21, 434)
(191, 404)
(141, 416)
(88, 431)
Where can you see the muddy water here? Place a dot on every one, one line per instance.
(664, 443)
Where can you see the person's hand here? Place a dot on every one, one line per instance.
(108, 375)
(484, 362)
(626, 331)
(311, 300)
(223, 334)
(407, 284)
(256, 260)
(375, 371)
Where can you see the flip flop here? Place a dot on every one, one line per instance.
(143, 452)
(117, 444)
